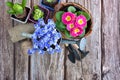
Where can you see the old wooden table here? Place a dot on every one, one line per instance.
(102, 63)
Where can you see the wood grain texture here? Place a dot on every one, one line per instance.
(111, 40)
(47, 67)
(91, 64)
(6, 46)
(102, 63)
(21, 59)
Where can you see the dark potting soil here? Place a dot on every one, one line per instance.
(22, 19)
(52, 4)
(78, 9)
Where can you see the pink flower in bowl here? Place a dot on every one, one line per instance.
(70, 26)
(76, 32)
(81, 21)
(68, 18)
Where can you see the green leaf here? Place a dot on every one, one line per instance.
(59, 15)
(78, 13)
(11, 11)
(36, 7)
(83, 13)
(60, 26)
(67, 33)
(86, 15)
(82, 35)
(71, 9)
(24, 2)
(9, 4)
(18, 9)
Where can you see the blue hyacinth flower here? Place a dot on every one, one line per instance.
(45, 38)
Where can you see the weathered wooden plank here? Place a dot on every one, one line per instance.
(6, 46)
(47, 67)
(110, 40)
(21, 57)
(91, 65)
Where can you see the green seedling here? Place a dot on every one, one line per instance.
(16, 8)
(49, 1)
(37, 14)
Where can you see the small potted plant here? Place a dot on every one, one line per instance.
(73, 21)
(50, 4)
(38, 12)
(19, 12)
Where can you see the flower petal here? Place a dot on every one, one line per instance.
(70, 26)
(81, 21)
(76, 32)
(68, 18)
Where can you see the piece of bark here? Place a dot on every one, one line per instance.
(15, 33)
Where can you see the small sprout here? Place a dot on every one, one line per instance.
(71, 9)
(38, 14)
(49, 1)
(16, 8)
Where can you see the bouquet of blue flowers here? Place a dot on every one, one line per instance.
(45, 38)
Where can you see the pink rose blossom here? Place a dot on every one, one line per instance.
(70, 26)
(81, 21)
(76, 31)
(68, 18)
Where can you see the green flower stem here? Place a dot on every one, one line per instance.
(27, 35)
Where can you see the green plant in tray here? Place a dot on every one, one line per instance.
(16, 8)
(37, 13)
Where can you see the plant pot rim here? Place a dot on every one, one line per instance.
(43, 9)
(48, 7)
(60, 6)
(27, 17)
